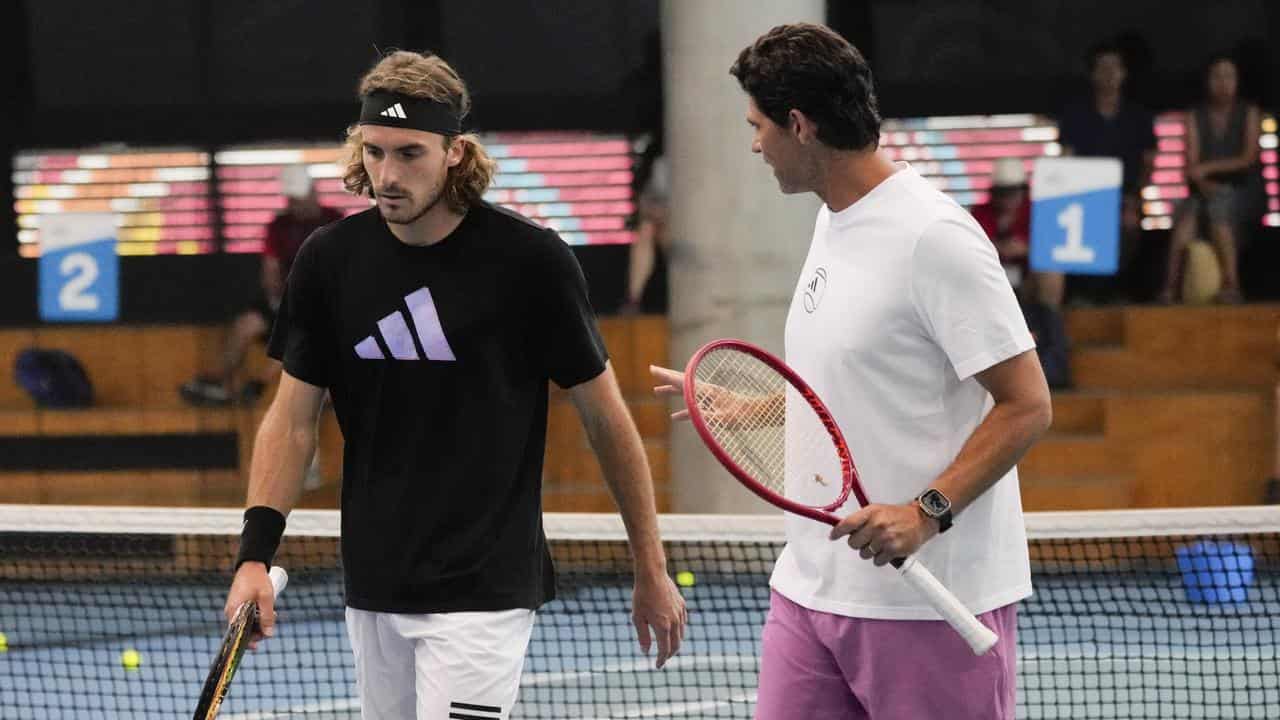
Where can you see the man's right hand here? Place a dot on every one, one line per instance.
(252, 584)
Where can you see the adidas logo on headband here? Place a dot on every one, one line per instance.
(383, 107)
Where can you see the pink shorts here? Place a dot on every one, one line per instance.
(819, 666)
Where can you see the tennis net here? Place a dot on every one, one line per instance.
(1137, 614)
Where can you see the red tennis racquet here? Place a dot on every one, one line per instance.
(772, 432)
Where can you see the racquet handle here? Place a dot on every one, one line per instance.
(979, 636)
(279, 579)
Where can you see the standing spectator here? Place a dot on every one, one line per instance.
(285, 235)
(1107, 125)
(1221, 160)
(647, 259)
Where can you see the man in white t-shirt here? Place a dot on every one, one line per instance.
(904, 323)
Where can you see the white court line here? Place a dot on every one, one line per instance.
(717, 662)
(347, 704)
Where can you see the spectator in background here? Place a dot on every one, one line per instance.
(1006, 218)
(285, 235)
(1221, 164)
(1107, 125)
(647, 263)
(1130, 283)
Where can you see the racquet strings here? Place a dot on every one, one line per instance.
(766, 427)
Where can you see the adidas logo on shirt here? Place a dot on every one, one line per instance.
(399, 337)
(394, 111)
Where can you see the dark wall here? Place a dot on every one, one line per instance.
(213, 71)
(208, 71)
(941, 57)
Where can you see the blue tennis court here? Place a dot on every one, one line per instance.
(1111, 632)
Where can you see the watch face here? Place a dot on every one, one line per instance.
(935, 502)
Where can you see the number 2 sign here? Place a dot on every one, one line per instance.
(79, 269)
(1075, 215)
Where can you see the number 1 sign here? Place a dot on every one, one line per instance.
(79, 269)
(1075, 215)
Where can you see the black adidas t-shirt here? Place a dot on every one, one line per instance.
(437, 359)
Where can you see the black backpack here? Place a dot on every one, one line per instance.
(53, 378)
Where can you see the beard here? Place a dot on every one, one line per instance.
(408, 212)
(797, 176)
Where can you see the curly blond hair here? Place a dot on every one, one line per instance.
(428, 77)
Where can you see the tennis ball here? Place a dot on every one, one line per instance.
(131, 659)
(684, 578)
(4, 642)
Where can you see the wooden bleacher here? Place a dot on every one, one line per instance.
(136, 371)
(1172, 407)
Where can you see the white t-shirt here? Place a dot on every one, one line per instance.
(901, 301)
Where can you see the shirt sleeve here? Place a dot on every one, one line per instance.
(302, 338)
(566, 340)
(963, 298)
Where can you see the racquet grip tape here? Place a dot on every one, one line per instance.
(979, 637)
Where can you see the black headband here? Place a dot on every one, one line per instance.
(381, 107)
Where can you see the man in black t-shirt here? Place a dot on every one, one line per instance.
(435, 321)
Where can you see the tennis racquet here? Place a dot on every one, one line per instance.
(233, 646)
(772, 432)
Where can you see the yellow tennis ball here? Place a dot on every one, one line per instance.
(4, 642)
(684, 578)
(131, 659)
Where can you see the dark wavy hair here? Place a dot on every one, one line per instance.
(812, 69)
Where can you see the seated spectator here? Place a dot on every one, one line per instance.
(1107, 125)
(1006, 218)
(1221, 165)
(284, 237)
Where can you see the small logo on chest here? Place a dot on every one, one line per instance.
(814, 289)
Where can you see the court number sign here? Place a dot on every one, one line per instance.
(79, 269)
(1075, 215)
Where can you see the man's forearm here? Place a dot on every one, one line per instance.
(281, 454)
(995, 446)
(614, 438)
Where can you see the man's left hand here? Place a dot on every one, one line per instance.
(886, 532)
(656, 603)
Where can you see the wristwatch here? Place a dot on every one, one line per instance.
(937, 506)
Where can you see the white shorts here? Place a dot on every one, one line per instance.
(462, 665)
